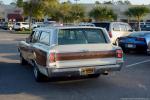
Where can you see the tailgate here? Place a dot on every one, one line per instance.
(84, 55)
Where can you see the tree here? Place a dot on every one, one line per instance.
(128, 14)
(127, 2)
(77, 12)
(102, 14)
(33, 9)
(97, 2)
(50, 7)
(138, 12)
(108, 2)
(64, 12)
(120, 2)
(19, 3)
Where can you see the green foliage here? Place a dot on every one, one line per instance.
(77, 12)
(19, 3)
(102, 14)
(97, 2)
(50, 7)
(137, 12)
(33, 9)
(68, 13)
(64, 12)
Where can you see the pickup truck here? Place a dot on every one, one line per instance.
(70, 51)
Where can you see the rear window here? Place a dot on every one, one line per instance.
(80, 36)
(103, 25)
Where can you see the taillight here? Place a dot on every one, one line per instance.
(119, 53)
(52, 57)
(140, 39)
(110, 34)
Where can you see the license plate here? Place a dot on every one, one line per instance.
(87, 71)
(130, 46)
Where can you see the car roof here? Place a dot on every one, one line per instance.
(67, 27)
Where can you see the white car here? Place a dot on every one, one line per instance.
(21, 26)
(115, 29)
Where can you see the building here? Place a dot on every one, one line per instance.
(118, 9)
(10, 13)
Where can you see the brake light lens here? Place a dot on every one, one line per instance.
(110, 34)
(119, 53)
(52, 57)
(140, 39)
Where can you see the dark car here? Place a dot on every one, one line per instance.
(7, 26)
(137, 41)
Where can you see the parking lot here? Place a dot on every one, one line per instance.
(17, 82)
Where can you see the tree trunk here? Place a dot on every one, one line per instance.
(139, 28)
(30, 22)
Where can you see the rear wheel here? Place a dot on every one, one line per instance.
(23, 61)
(39, 77)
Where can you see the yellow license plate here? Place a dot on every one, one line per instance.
(87, 71)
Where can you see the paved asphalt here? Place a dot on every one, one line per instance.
(17, 82)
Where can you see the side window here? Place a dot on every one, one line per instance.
(95, 37)
(45, 38)
(116, 27)
(36, 36)
(123, 27)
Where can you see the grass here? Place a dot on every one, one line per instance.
(22, 32)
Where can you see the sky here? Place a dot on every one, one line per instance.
(139, 2)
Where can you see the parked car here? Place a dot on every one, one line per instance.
(21, 26)
(36, 24)
(1, 24)
(137, 41)
(7, 26)
(115, 29)
(70, 51)
(86, 24)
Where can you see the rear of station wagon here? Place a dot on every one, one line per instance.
(75, 51)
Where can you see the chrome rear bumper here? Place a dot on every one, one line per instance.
(62, 72)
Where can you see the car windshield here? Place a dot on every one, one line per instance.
(80, 36)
